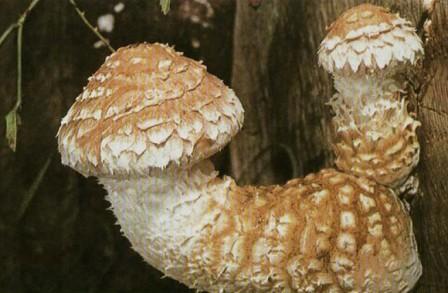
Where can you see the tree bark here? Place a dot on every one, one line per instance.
(283, 91)
(275, 75)
(430, 213)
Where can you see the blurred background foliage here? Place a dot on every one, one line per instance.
(56, 232)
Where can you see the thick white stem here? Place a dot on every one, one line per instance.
(161, 214)
(328, 231)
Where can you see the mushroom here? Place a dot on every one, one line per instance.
(366, 49)
(146, 124)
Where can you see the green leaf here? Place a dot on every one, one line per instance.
(165, 4)
(11, 128)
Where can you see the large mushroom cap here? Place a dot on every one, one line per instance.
(368, 37)
(147, 107)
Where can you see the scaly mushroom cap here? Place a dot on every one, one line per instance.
(368, 38)
(147, 107)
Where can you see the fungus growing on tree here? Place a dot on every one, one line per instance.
(366, 49)
(146, 124)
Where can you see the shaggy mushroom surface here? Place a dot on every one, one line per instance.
(369, 50)
(145, 125)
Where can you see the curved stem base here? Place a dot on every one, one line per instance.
(327, 232)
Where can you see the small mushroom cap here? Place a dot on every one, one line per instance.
(147, 107)
(368, 38)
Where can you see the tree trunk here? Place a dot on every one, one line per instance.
(286, 132)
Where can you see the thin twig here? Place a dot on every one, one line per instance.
(91, 27)
(7, 32)
(33, 189)
(19, 66)
(12, 118)
(19, 22)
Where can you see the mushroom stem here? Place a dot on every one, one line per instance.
(325, 231)
(161, 212)
(353, 88)
(374, 134)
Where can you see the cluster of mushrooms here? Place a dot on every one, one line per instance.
(150, 118)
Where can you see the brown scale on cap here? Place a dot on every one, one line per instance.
(368, 38)
(147, 107)
(327, 232)
(359, 17)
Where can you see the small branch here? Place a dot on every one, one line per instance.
(33, 189)
(19, 66)
(91, 27)
(7, 32)
(28, 10)
(12, 118)
(19, 22)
